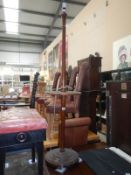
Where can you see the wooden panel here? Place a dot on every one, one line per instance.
(119, 115)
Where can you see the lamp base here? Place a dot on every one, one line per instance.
(65, 158)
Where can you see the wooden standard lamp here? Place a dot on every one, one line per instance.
(62, 157)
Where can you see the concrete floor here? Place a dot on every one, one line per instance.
(17, 163)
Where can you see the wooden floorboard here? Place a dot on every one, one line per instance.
(92, 137)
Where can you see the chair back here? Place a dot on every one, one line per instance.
(72, 81)
(89, 74)
(34, 88)
(60, 85)
(55, 81)
(88, 79)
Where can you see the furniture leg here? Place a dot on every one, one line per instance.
(50, 120)
(39, 147)
(33, 153)
(2, 161)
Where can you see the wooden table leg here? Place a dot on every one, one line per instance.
(2, 161)
(40, 150)
(33, 153)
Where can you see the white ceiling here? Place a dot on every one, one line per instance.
(39, 20)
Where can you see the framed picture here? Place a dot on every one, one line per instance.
(51, 65)
(56, 58)
(45, 62)
(122, 53)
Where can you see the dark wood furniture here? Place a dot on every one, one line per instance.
(111, 75)
(21, 128)
(119, 115)
(89, 85)
(116, 74)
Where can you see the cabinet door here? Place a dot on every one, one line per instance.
(119, 117)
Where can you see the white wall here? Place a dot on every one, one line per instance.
(87, 33)
(95, 29)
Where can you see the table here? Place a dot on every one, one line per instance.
(25, 96)
(7, 100)
(21, 128)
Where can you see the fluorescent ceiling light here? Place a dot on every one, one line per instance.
(11, 28)
(11, 15)
(11, 3)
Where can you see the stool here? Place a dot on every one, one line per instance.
(21, 128)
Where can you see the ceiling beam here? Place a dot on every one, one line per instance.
(24, 65)
(74, 2)
(36, 12)
(16, 51)
(32, 25)
(52, 24)
(22, 41)
(29, 34)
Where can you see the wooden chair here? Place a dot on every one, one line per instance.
(88, 84)
(41, 101)
(53, 109)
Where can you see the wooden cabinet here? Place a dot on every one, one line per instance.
(119, 115)
(101, 111)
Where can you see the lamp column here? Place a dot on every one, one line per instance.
(62, 157)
